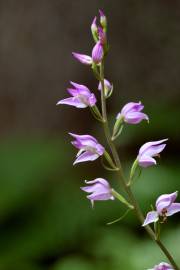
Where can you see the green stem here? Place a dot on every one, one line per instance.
(122, 179)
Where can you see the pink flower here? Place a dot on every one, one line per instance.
(100, 190)
(148, 151)
(83, 58)
(165, 207)
(131, 113)
(89, 148)
(81, 97)
(162, 266)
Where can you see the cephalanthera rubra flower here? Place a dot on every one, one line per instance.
(148, 151)
(162, 266)
(99, 190)
(131, 113)
(81, 96)
(89, 148)
(165, 207)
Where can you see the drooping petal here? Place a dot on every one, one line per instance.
(72, 101)
(86, 156)
(135, 117)
(173, 209)
(151, 217)
(165, 200)
(83, 58)
(146, 161)
(147, 145)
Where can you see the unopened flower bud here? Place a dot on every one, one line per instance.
(97, 53)
(108, 87)
(94, 29)
(103, 19)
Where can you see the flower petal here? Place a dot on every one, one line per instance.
(146, 146)
(132, 107)
(173, 209)
(86, 156)
(146, 161)
(83, 58)
(81, 89)
(85, 140)
(72, 101)
(151, 217)
(135, 117)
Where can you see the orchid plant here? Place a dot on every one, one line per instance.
(90, 149)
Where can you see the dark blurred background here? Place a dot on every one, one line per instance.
(46, 223)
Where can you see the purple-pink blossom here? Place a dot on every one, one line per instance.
(83, 58)
(162, 266)
(97, 53)
(89, 148)
(148, 151)
(81, 96)
(99, 190)
(165, 207)
(131, 113)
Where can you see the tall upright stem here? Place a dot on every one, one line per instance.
(122, 179)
